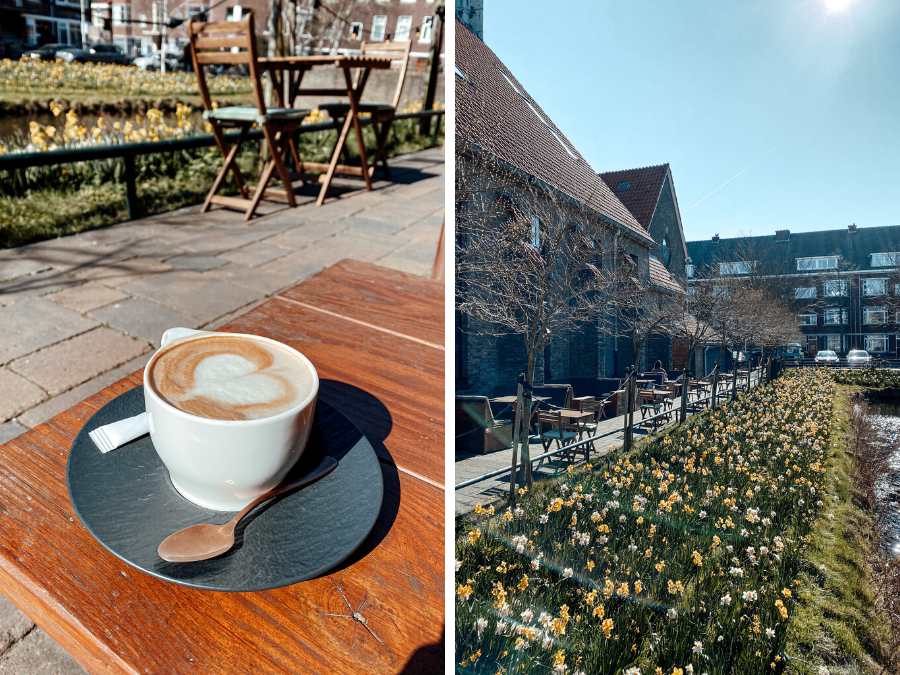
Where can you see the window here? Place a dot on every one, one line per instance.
(30, 32)
(834, 289)
(689, 271)
(378, 25)
(120, 15)
(142, 17)
(833, 342)
(536, 232)
(876, 343)
(807, 319)
(884, 259)
(873, 316)
(809, 292)
(823, 263)
(833, 316)
(63, 31)
(721, 292)
(736, 267)
(147, 46)
(193, 10)
(401, 34)
(425, 35)
(874, 287)
(121, 41)
(667, 253)
(356, 30)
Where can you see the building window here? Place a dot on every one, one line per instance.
(833, 316)
(821, 263)
(807, 319)
(805, 292)
(689, 271)
(834, 289)
(120, 15)
(873, 316)
(536, 232)
(401, 34)
(378, 25)
(425, 35)
(721, 292)
(30, 32)
(142, 17)
(63, 33)
(874, 286)
(731, 268)
(667, 253)
(876, 343)
(884, 259)
(147, 46)
(121, 41)
(356, 30)
(833, 342)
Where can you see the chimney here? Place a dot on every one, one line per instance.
(782, 235)
(715, 238)
(471, 13)
(851, 228)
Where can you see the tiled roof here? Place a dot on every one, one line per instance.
(854, 247)
(642, 191)
(662, 278)
(495, 113)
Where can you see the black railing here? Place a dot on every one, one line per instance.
(128, 151)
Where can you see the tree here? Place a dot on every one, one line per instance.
(529, 261)
(691, 323)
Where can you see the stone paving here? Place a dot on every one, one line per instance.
(80, 312)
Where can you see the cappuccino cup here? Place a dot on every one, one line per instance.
(229, 414)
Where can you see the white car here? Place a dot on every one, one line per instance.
(827, 357)
(858, 358)
(151, 61)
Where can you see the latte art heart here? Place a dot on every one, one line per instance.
(230, 378)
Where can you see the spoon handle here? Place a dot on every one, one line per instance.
(323, 468)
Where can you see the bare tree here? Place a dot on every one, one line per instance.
(529, 262)
(691, 323)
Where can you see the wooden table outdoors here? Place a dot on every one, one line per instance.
(287, 74)
(376, 338)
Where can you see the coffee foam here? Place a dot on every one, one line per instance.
(230, 378)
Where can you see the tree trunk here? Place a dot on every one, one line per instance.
(515, 444)
(526, 419)
(749, 365)
(715, 386)
(685, 388)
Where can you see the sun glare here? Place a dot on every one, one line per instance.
(837, 5)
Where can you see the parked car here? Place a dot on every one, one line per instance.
(151, 61)
(793, 354)
(827, 357)
(47, 52)
(11, 47)
(99, 52)
(858, 358)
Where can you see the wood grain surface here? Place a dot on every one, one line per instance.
(381, 611)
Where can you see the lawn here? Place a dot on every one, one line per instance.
(686, 555)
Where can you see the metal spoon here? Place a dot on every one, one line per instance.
(200, 542)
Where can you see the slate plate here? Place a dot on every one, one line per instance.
(125, 500)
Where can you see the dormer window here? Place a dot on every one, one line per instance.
(884, 259)
(829, 262)
(736, 268)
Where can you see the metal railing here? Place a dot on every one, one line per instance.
(720, 396)
(128, 151)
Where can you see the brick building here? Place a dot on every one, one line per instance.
(38, 22)
(498, 122)
(844, 285)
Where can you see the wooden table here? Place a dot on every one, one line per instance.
(287, 74)
(376, 338)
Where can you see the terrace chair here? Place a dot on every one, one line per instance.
(383, 114)
(234, 42)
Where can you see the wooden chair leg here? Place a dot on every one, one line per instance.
(228, 165)
(298, 163)
(223, 148)
(264, 177)
(381, 153)
(277, 142)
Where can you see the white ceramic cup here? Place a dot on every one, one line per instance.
(225, 464)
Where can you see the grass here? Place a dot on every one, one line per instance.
(167, 183)
(834, 624)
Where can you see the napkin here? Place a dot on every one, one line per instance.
(113, 435)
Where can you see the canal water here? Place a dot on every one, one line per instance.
(886, 419)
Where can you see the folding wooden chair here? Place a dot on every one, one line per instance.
(234, 42)
(382, 113)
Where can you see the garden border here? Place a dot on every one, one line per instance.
(128, 151)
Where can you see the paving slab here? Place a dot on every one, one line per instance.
(34, 285)
(143, 319)
(51, 407)
(121, 271)
(10, 269)
(192, 294)
(38, 654)
(212, 244)
(9, 430)
(72, 362)
(426, 230)
(267, 282)
(17, 394)
(34, 323)
(257, 253)
(306, 234)
(193, 261)
(14, 625)
(362, 222)
(295, 266)
(86, 296)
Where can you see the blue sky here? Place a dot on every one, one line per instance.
(712, 86)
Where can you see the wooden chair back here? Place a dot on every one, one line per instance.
(225, 42)
(400, 62)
